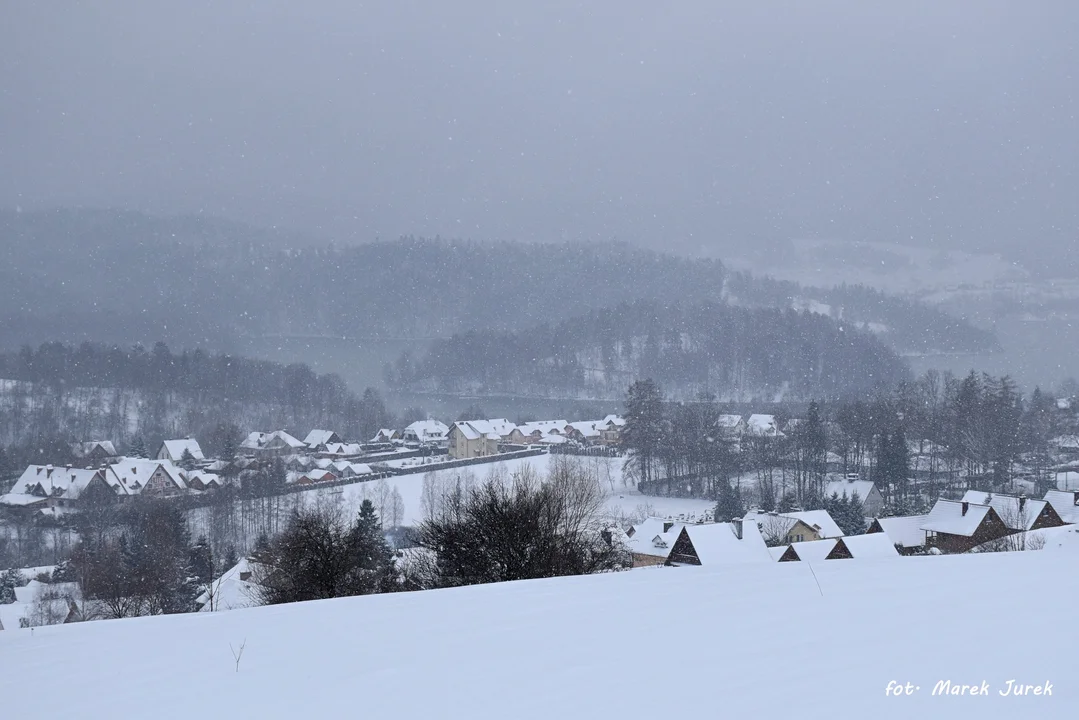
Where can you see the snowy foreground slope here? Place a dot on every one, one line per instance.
(752, 641)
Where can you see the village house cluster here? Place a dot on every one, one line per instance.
(180, 467)
(980, 522)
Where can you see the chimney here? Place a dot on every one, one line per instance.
(966, 506)
(667, 525)
(1022, 502)
(736, 525)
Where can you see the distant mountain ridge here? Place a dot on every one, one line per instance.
(124, 277)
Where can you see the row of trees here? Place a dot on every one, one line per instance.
(927, 436)
(93, 391)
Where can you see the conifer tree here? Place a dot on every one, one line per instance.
(372, 559)
(228, 449)
(138, 447)
(729, 505)
(187, 460)
(643, 432)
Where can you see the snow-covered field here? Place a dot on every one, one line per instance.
(621, 500)
(736, 641)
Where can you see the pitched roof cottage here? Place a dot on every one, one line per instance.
(956, 526)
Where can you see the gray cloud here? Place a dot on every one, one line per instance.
(688, 125)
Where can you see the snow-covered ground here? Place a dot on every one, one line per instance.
(756, 641)
(622, 500)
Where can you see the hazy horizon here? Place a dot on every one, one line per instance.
(695, 127)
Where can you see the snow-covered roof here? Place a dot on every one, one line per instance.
(729, 422)
(85, 448)
(132, 474)
(813, 550)
(719, 544)
(344, 449)
(1066, 503)
(205, 478)
(839, 487)
(904, 531)
(649, 538)
(383, 435)
(819, 520)
(613, 421)
(39, 482)
(20, 499)
(762, 425)
(553, 440)
(259, 440)
(234, 590)
(501, 426)
(545, 427)
(586, 428)
(318, 437)
(947, 517)
(426, 430)
(875, 545)
(491, 429)
(176, 448)
(1067, 442)
(1017, 513)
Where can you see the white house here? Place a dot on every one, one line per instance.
(476, 438)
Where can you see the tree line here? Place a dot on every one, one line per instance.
(58, 393)
(938, 434)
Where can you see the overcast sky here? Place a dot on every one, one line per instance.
(688, 124)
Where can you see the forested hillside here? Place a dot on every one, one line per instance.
(733, 352)
(124, 277)
(94, 392)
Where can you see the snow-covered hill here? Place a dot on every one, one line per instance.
(890, 267)
(760, 642)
